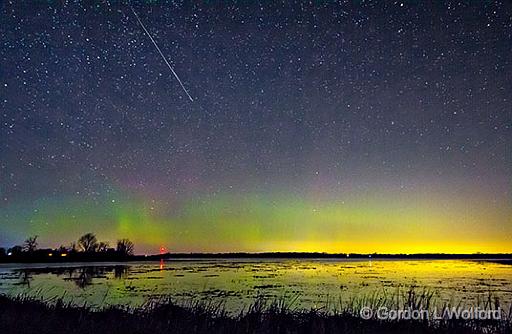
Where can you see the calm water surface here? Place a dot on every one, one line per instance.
(237, 283)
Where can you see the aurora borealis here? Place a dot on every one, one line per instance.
(359, 126)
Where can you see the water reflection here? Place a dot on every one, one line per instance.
(121, 272)
(236, 283)
(24, 277)
(81, 276)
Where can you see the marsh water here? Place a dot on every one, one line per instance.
(237, 283)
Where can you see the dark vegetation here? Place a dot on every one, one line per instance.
(86, 248)
(25, 315)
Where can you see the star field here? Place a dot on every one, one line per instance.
(316, 125)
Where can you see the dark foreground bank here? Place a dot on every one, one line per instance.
(22, 315)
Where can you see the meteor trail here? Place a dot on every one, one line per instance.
(161, 53)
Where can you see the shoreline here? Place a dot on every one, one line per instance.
(502, 258)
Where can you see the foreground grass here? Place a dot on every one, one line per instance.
(26, 315)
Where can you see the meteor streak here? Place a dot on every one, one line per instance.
(160, 51)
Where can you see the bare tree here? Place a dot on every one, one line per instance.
(88, 243)
(30, 245)
(103, 246)
(125, 247)
(73, 248)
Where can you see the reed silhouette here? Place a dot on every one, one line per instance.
(27, 315)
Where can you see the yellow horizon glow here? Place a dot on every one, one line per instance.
(254, 223)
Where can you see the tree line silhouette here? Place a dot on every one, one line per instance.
(86, 248)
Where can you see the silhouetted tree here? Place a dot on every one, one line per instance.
(73, 248)
(15, 250)
(125, 247)
(3, 252)
(30, 245)
(103, 246)
(88, 243)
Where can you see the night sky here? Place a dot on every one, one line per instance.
(359, 126)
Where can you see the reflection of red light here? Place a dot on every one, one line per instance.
(161, 264)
